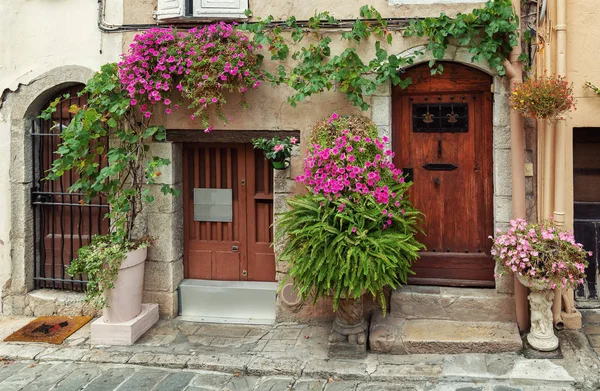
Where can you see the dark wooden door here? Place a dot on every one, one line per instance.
(442, 132)
(239, 250)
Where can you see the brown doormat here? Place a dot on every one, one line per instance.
(49, 329)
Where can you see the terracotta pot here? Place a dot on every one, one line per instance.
(125, 299)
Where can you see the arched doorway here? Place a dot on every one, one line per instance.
(62, 222)
(442, 136)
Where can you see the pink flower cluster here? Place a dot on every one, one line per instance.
(541, 253)
(355, 167)
(200, 65)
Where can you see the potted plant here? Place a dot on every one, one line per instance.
(354, 232)
(200, 66)
(547, 97)
(113, 263)
(276, 150)
(543, 258)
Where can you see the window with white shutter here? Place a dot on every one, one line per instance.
(207, 9)
(220, 8)
(168, 9)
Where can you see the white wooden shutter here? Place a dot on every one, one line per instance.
(220, 8)
(170, 9)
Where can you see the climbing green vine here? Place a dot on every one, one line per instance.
(489, 33)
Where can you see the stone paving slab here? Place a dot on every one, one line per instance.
(301, 354)
(66, 376)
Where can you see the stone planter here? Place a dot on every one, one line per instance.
(348, 338)
(125, 299)
(541, 336)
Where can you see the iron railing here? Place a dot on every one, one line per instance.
(62, 222)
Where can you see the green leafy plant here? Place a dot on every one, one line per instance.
(489, 33)
(100, 261)
(123, 180)
(592, 87)
(275, 149)
(355, 230)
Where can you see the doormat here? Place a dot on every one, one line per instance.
(49, 329)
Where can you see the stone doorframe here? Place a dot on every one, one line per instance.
(18, 110)
(381, 114)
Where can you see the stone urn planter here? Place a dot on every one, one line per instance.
(348, 338)
(125, 299)
(541, 336)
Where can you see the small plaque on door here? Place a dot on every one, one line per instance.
(213, 205)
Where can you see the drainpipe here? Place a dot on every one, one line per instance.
(517, 137)
(561, 126)
(560, 146)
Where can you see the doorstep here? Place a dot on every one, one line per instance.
(242, 302)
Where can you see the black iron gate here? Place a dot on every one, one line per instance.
(62, 222)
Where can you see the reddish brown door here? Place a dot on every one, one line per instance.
(443, 132)
(239, 250)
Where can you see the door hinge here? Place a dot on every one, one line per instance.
(492, 88)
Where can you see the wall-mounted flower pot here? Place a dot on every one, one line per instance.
(281, 164)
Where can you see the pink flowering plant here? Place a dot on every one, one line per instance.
(201, 65)
(354, 231)
(275, 149)
(541, 255)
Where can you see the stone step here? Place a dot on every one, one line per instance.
(242, 302)
(394, 335)
(445, 303)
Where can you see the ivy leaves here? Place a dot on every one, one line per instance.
(118, 169)
(489, 33)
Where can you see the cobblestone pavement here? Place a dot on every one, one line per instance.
(278, 357)
(32, 376)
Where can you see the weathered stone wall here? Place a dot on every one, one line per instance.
(268, 111)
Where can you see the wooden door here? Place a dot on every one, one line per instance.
(239, 250)
(442, 134)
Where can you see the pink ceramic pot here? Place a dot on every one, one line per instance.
(125, 299)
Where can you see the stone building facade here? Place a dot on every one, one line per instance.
(40, 58)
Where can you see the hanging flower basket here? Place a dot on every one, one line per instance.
(276, 150)
(545, 98)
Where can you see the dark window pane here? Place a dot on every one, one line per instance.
(440, 118)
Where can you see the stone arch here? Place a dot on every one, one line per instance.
(18, 110)
(381, 114)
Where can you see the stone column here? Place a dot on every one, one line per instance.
(164, 266)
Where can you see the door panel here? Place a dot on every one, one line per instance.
(212, 248)
(261, 259)
(444, 134)
(239, 250)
